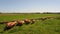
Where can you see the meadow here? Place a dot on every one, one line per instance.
(49, 26)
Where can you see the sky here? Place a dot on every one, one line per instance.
(23, 6)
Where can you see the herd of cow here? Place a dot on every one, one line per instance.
(11, 24)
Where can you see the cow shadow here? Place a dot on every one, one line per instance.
(19, 24)
(27, 23)
(3, 22)
(7, 28)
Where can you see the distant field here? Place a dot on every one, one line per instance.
(9, 17)
(49, 26)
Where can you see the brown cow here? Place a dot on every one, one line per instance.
(9, 25)
(48, 17)
(43, 18)
(20, 22)
(27, 21)
(33, 21)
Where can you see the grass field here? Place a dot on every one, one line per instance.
(49, 26)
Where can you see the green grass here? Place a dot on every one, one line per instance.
(49, 26)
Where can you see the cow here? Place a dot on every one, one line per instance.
(32, 21)
(20, 22)
(27, 21)
(49, 17)
(9, 25)
(44, 18)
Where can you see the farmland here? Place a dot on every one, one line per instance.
(49, 26)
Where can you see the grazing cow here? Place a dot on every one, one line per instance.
(49, 17)
(38, 18)
(9, 25)
(33, 21)
(43, 18)
(27, 21)
(20, 22)
(57, 17)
